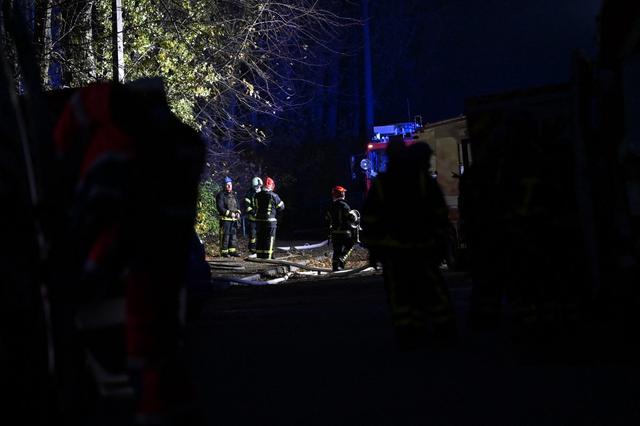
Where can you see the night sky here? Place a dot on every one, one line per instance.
(461, 48)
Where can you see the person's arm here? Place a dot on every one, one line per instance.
(220, 205)
(278, 202)
(248, 203)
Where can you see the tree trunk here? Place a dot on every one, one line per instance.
(367, 69)
(117, 40)
(42, 37)
(331, 100)
(87, 25)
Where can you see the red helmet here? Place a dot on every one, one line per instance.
(338, 192)
(269, 184)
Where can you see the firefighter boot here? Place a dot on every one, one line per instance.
(337, 265)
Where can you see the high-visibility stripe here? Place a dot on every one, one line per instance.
(271, 219)
(344, 258)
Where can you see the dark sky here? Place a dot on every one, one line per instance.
(462, 48)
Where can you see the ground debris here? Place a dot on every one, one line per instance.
(321, 257)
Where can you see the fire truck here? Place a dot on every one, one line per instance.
(450, 144)
(448, 140)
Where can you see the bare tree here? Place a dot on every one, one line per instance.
(227, 62)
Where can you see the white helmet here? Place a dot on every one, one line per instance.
(256, 182)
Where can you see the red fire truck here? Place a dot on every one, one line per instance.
(447, 139)
(449, 142)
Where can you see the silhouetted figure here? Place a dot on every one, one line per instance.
(540, 232)
(481, 204)
(198, 277)
(250, 210)
(518, 207)
(340, 219)
(267, 204)
(229, 212)
(410, 254)
(121, 225)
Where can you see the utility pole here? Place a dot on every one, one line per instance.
(367, 68)
(117, 40)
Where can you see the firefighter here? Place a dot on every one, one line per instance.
(266, 204)
(256, 186)
(110, 184)
(341, 221)
(410, 255)
(229, 212)
(481, 205)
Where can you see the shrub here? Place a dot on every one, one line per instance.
(207, 224)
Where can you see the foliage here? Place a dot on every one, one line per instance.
(227, 63)
(223, 61)
(233, 69)
(207, 217)
(230, 67)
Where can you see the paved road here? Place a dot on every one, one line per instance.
(322, 353)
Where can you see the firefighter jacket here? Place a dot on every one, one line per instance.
(227, 205)
(267, 204)
(249, 204)
(405, 212)
(113, 145)
(340, 218)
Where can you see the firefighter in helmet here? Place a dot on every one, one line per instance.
(410, 255)
(342, 222)
(256, 186)
(266, 204)
(98, 251)
(229, 212)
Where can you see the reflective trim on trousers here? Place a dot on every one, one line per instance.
(344, 258)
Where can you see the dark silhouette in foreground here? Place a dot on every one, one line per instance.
(410, 256)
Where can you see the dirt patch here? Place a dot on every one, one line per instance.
(321, 257)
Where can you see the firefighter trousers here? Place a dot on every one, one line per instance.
(252, 236)
(342, 247)
(265, 239)
(415, 298)
(228, 240)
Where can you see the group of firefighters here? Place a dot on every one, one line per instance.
(415, 301)
(262, 205)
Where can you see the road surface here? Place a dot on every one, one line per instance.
(322, 353)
